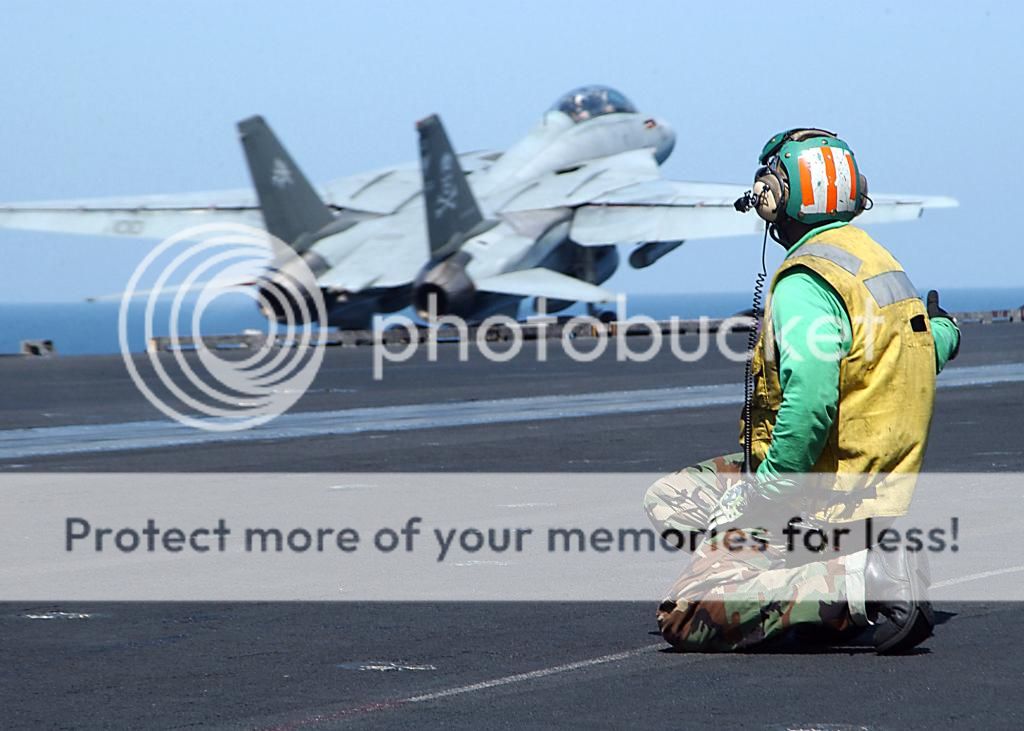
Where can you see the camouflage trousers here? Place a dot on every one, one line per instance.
(732, 599)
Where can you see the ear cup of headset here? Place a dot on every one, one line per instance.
(770, 192)
(862, 195)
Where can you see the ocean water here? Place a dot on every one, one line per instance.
(78, 328)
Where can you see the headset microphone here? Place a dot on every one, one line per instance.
(745, 202)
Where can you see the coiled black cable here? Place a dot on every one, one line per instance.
(752, 336)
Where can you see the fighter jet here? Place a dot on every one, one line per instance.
(468, 234)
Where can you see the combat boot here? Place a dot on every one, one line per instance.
(896, 585)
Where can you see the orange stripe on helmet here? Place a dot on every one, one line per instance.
(830, 173)
(853, 176)
(806, 185)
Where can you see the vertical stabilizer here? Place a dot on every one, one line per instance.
(452, 211)
(290, 205)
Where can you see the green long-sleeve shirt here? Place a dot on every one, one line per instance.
(813, 333)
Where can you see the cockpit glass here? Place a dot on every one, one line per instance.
(588, 102)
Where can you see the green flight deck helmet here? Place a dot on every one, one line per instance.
(812, 176)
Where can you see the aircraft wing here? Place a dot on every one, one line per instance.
(542, 282)
(892, 208)
(151, 217)
(664, 210)
(158, 216)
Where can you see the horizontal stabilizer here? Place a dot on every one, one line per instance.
(542, 282)
(452, 211)
(217, 283)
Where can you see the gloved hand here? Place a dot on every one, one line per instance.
(732, 504)
(935, 311)
(933, 307)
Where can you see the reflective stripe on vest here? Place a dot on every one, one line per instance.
(890, 288)
(834, 254)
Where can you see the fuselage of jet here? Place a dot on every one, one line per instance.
(528, 192)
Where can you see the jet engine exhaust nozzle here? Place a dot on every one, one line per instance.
(444, 288)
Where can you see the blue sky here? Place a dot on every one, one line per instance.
(115, 98)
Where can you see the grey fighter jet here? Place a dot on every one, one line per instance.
(469, 234)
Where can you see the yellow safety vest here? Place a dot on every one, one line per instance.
(886, 383)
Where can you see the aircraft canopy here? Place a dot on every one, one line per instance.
(587, 102)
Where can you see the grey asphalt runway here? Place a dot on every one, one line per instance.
(300, 665)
